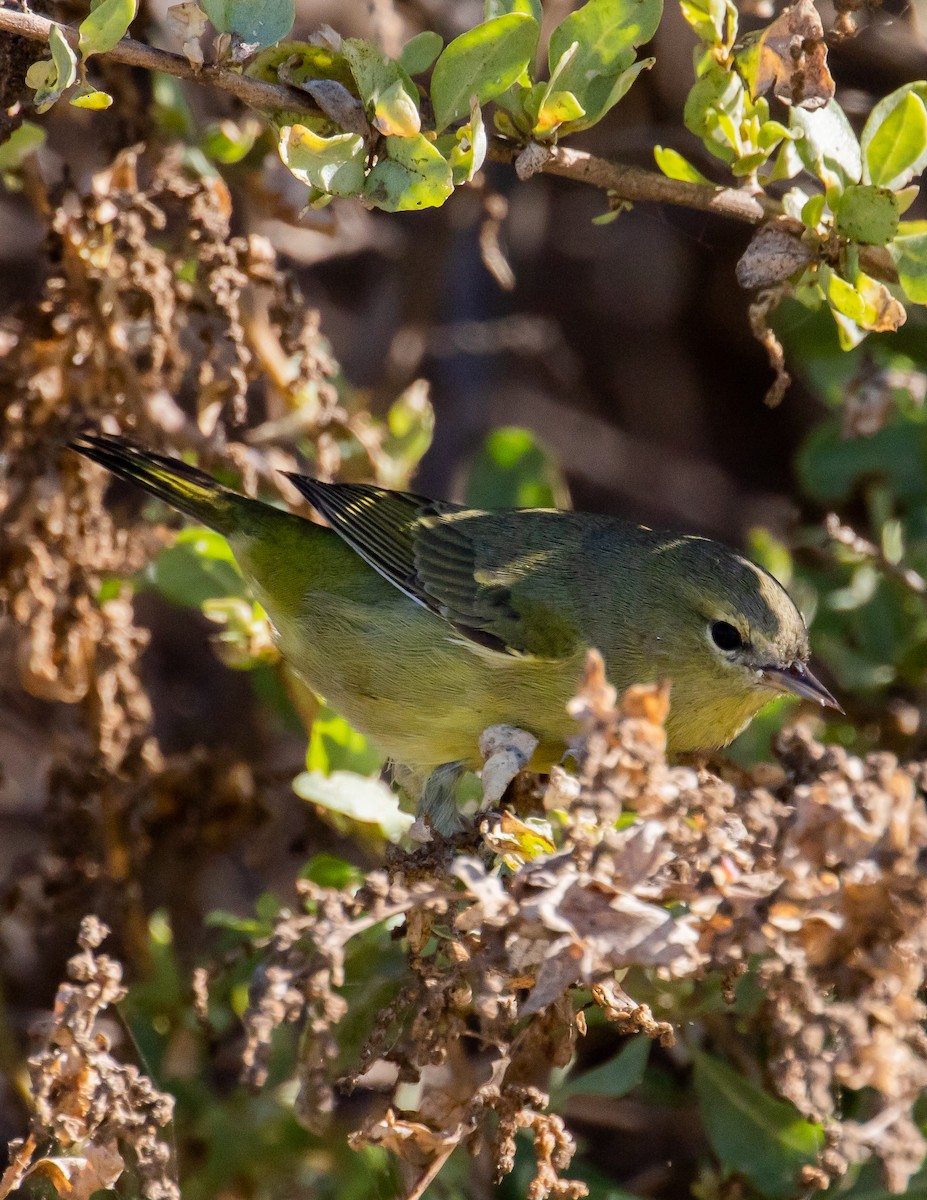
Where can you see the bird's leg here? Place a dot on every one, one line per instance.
(506, 751)
(439, 799)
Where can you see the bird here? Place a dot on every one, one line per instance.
(424, 622)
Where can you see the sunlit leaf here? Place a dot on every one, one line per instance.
(412, 174)
(107, 24)
(894, 140)
(674, 166)
(828, 146)
(384, 86)
(482, 62)
(50, 77)
(332, 164)
(86, 96)
(334, 745)
(368, 800)
(498, 8)
(606, 33)
(868, 214)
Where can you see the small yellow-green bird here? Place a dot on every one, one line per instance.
(425, 622)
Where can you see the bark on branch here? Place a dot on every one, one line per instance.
(627, 183)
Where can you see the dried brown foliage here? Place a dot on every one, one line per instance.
(811, 871)
(102, 1115)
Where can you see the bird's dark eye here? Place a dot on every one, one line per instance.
(725, 636)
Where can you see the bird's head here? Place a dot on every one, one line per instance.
(739, 639)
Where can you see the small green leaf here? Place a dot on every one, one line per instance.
(674, 166)
(334, 165)
(413, 174)
(368, 800)
(894, 140)
(867, 214)
(616, 1077)
(909, 253)
(50, 77)
(760, 1137)
(813, 210)
(499, 8)
(828, 146)
(88, 97)
(466, 151)
(714, 112)
(482, 62)
(708, 17)
(607, 33)
(107, 24)
(334, 745)
(199, 566)
(389, 94)
(226, 142)
(513, 469)
(420, 52)
(260, 21)
(22, 142)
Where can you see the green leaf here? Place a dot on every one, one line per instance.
(50, 77)
(867, 214)
(107, 24)
(674, 166)
(708, 17)
(909, 252)
(420, 52)
(499, 8)
(512, 469)
(368, 800)
(327, 870)
(88, 97)
(828, 146)
(763, 1138)
(466, 148)
(482, 62)
(714, 112)
(260, 21)
(616, 1077)
(198, 567)
(606, 33)
(413, 174)
(894, 139)
(227, 142)
(334, 165)
(22, 142)
(389, 94)
(334, 745)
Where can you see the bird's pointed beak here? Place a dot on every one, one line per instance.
(798, 679)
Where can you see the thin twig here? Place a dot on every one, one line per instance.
(628, 183)
(136, 54)
(623, 182)
(846, 536)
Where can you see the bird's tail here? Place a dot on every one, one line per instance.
(191, 491)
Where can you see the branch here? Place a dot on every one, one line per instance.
(624, 182)
(636, 183)
(255, 92)
(627, 183)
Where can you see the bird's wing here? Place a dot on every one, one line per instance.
(464, 564)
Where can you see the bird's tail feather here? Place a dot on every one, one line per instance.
(191, 491)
